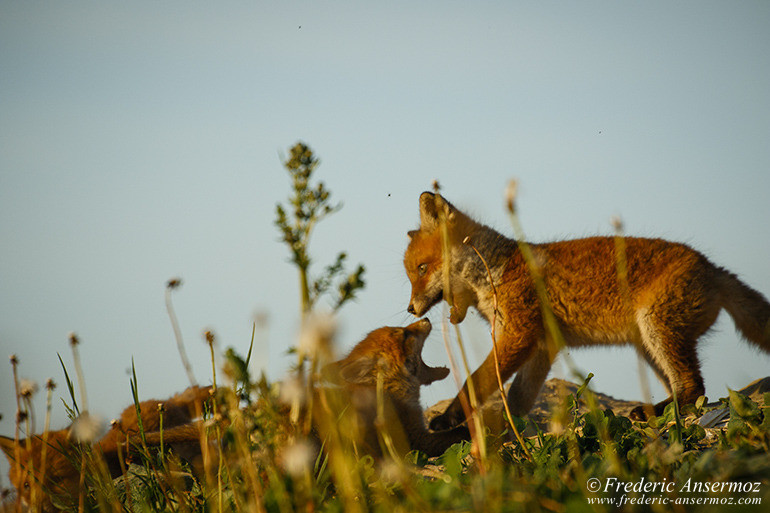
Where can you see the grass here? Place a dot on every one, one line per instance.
(284, 447)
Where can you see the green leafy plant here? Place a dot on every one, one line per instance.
(308, 205)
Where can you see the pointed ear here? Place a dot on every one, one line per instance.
(412, 233)
(331, 373)
(8, 445)
(428, 213)
(430, 206)
(359, 370)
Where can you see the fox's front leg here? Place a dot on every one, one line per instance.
(513, 352)
(436, 444)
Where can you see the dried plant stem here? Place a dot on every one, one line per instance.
(46, 430)
(172, 284)
(239, 429)
(209, 337)
(495, 353)
(380, 422)
(82, 483)
(124, 472)
(18, 421)
(74, 343)
(621, 264)
(341, 459)
(473, 413)
(30, 429)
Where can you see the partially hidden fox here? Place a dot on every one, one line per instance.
(393, 356)
(670, 297)
(38, 481)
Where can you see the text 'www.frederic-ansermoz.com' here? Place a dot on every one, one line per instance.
(691, 492)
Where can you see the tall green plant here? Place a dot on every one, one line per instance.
(309, 204)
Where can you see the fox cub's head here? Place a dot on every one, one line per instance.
(424, 257)
(396, 354)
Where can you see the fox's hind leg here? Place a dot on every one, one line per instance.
(670, 347)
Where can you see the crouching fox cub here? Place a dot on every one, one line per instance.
(394, 357)
(671, 296)
(47, 467)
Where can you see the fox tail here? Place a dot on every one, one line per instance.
(749, 309)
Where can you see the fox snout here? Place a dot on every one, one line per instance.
(423, 325)
(417, 311)
(419, 306)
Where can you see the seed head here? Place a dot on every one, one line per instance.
(86, 428)
(174, 283)
(291, 390)
(318, 330)
(73, 338)
(14, 360)
(510, 195)
(298, 458)
(50, 384)
(392, 472)
(27, 388)
(261, 318)
(617, 224)
(436, 186)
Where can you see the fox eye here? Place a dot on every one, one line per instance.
(422, 269)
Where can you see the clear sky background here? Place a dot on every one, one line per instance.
(143, 141)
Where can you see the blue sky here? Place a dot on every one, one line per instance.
(143, 141)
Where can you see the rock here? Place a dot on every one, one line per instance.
(556, 390)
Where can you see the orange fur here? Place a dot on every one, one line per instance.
(392, 355)
(671, 296)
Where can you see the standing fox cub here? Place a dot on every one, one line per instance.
(673, 296)
(37, 480)
(394, 356)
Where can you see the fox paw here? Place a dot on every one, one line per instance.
(642, 413)
(463, 432)
(446, 420)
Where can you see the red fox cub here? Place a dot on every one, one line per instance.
(37, 481)
(393, 355)
(671, 296)
(178, 410)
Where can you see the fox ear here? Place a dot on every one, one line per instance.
(331, 373)
(360, 370)
(412, 233)
(8, 445)
(428, 213)
(430, 205)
